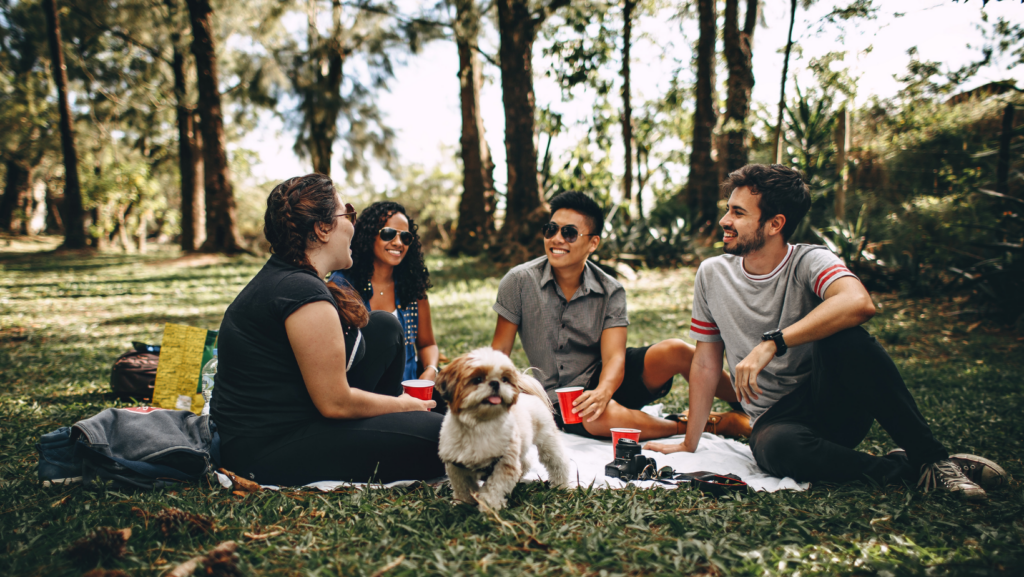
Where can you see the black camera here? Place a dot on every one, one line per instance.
(629, 464)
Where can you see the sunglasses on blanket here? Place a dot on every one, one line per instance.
(387, 234)
(569, 232)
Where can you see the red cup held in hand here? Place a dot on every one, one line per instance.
(419, 388)
(566, 397)
(624, 434)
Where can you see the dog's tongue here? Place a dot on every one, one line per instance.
(495, 400)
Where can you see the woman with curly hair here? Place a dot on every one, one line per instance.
(309, 383)
(389, 273)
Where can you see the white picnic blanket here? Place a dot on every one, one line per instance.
(587, 458)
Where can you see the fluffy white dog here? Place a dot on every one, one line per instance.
(494, 414)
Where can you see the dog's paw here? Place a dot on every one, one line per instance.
(491, 505)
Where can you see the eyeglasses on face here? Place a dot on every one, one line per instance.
(387, 234)
(569, 232)
(350, 213)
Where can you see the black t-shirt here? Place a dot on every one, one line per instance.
(259, 391)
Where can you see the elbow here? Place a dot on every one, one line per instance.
(867, 310)
(335, 413)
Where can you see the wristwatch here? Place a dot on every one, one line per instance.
(780, 343)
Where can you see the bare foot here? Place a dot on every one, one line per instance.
(666, 447)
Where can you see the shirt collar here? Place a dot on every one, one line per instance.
(590, 283)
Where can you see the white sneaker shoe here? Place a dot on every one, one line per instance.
(946, 475)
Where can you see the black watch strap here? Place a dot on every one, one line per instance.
(780, 343)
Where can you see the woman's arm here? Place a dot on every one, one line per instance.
(425, 343)
(318, 342)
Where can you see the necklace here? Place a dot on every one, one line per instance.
(370, 286)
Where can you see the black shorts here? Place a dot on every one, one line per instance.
(632, 394)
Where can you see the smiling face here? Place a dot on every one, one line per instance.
(562, 254)
(393, 251)
(479, 386)
(744, 232)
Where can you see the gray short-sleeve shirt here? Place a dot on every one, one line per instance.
(562, 339)
(732, 305)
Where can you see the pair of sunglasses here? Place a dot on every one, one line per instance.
(350, 213)
(569, 232)
(387, 234)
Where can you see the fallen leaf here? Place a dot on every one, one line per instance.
(389, 566)
(262, 536)
(973, 326)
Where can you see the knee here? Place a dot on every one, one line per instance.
(782, 451)
(670, 353)
(854, 340)
(385, 325)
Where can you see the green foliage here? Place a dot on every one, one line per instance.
(65, 318)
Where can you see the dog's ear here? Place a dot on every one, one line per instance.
(446, 380)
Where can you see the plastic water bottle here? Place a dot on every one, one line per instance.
(209, 371)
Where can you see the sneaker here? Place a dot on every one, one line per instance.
(980, 470)
(984, 473)
(946, 475)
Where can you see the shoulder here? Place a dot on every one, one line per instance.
(813, 254)
(533, 269)
(607, 282)
(718, 263)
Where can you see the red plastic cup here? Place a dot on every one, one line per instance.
(624, 434)
(565, 398)
(421, 389)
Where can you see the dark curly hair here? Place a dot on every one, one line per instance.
(782, 191)
(412, 280)
(294, 209)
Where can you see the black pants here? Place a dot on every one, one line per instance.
(810, 434)
(394, 447)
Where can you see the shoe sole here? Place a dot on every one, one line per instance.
(1000, 476)
(61, 482)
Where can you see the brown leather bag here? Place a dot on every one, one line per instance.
(134, 373)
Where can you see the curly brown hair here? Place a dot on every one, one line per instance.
(412, 280)
(294, 209)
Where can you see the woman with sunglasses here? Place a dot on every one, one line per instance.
(309, 382)
(389, 273)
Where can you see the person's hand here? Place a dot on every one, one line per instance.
(409, 404)
(667, 448)
(591, 404)
(748, 369)
(429, 374)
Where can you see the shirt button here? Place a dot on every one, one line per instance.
(563, 325)
(561, 367)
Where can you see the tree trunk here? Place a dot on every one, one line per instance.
(322, 99)
(74, 210)
(777, 138)
(15, 190)
(189, 160)
(476, 207)
(1003, 164)
(221, 228)
(516, 27)
(627, 109)
(738, 56)
(842, 138)
(702, 184)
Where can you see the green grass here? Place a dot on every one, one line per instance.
(64, 318)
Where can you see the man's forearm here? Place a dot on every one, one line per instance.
(704, 377)
(846, 309)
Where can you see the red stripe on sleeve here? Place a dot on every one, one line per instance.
(821, 275)
(700, 331)
(840, 271)
(703, 324)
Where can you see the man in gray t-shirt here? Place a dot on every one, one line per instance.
(571, 317)
(812, 380)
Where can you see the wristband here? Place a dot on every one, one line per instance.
(780, 343)
(436, 370)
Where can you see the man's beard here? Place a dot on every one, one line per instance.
(748, 245)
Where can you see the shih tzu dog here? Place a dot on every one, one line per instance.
(494, 414)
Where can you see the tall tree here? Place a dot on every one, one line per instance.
(739, 44)
(517, 27)
(702, 183)
(317, 81)
(777, 137)
(190, 161)
(627, 108)
(73, 207)
(221, 228)
(476, 207)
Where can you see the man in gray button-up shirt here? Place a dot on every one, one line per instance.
(572, 319)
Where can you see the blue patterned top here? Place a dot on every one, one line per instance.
(408, 316)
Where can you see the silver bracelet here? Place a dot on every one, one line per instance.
(436, 370)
